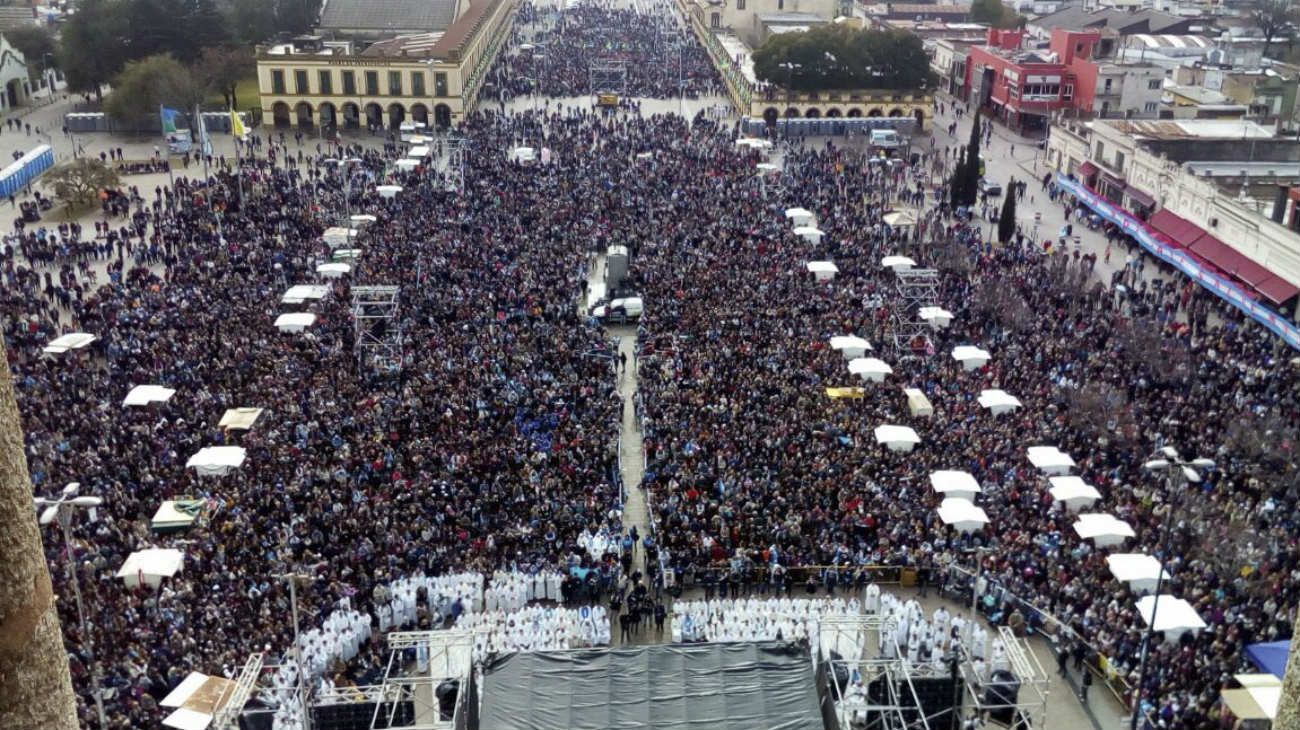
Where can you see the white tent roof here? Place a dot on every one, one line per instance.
(299, 293)
(967, 353)
(845, 342)
(962, 515)
(406, 164)
(239, 419)
(421, 139)
(217, 460)
(170, 516)
(807, 231)
(363, 218)
(897, 262)
(646, 155)
(196, 699)
(998, 401)
(70, 341)
(936, 315)
(798, 213)
(1068, 488)
(900, 218)
(1172, 614)
(917, 403)
(333, 270)
(1129, 567)
(295, 321)
(900, 435)
(143, 395)
(1049, 458)
(388, 191)
(956, 482)
(869, 366)
(767, 167)
(419, 152)
(157, 562)
(759, 144)
(346, 254)
(823, 267)
(1103, 529)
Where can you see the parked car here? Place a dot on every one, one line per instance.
(990, 188)
(627, 309)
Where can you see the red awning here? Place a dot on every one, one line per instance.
(1087, 169)
(1182, 231)
(1218, 253)
(1252, 273)
(1277, 290)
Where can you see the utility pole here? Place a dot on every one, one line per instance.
(35, 685)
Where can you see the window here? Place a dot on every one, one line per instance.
(277, 81)
(1067, 92)
(740, 4)
(439, 84)
(1154, 84)
(350, 83)
(372, 83)
(1151, 107)
(1101, 152)
(300, 82)
(417, 83)
(395, 83)
(780, 4)
(715, 20)
(326, 82)
(1108, 85)
(1119, 161)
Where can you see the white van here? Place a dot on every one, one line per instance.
(407, 130)
(620, 310)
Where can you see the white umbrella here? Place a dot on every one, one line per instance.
(295, 321)
(70, 341)
(299, 293)
(955, 484)
(239, 419)
(143, 395)
(823, 270)
(897, 263)
(1103, 529)
(998, 401)
(811, 234)
(1140, 571)
(870, 368)
(333, 270)
(388, 191)
(216, 460)
(851, 346)
(1073, 492)
(897, 438)
(970, 357)
(1050, 460)
(799, 216)
(150, 566)
(938, 317)
(962, 516)
(1171, 615)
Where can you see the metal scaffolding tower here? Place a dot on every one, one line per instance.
(608, 76)
(230, 707)
(913, 289)
(457, 150)
(875, 689)
(376, 327)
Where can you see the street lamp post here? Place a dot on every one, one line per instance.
(62, 509)
(1179, 473)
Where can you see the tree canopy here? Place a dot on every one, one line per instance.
(78, 183)
(1275, 19)
(838, 57)
(146, 84)
(37, 46)
(995, 14)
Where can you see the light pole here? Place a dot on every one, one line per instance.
(292, 579)
(1179, 473)
(62, 509)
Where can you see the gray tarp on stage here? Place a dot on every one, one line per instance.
(755, 686)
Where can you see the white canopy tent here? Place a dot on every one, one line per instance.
(962, 516)
(766, 168)
(295, 321)
(901, 218)
(938, 317)
(799, 216)
(149, 567)
(239, 419)
(337, 236)
(1171, 615)
(418, 139)
(1050, 460)
(823, 270)
(197, 699)
(522, 155)
(388, 191)
(850, 346)
(955, 484)
(343, 255)
(407, 164)
(419, 152)
(998, 401)
(143, 395)
(870, 368)
(333, 270)
(811, 234)
(970, 357)
(897, 263)
(1257, 700)
(175, 514)
(897, 438)
(299, 293)
(1103, 529)
(1140, 571)
(917, 404)
(70, 341)
(217, 460)
(1073, 492)
(362, 219)
(754, 143)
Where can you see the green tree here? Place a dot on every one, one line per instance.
(839, 57)
(222, 68)
(93, 45)
(37, 46)
(966, 175)
(151, 82)
(1007, 221)
(77, 184)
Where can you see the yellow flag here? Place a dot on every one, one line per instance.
(237, 125)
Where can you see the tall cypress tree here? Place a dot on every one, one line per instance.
(1007, 221)
(971, 172)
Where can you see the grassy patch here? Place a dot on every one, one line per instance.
(245, 93)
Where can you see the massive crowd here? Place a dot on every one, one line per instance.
(493, 445)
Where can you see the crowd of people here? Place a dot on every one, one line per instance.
(492, 447)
